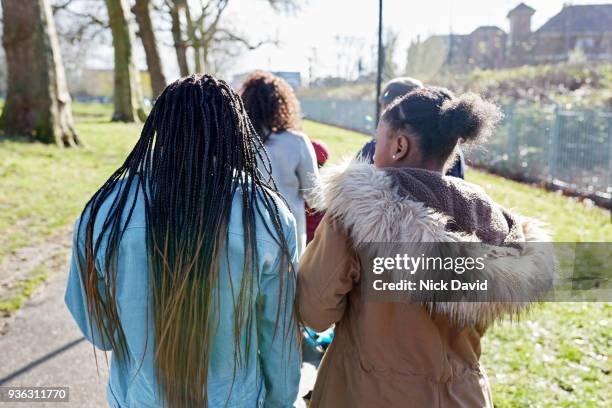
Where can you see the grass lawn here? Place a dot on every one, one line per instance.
(43, 187)
(557, 356)
(341, 143)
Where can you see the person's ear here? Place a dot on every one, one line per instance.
(402, 146)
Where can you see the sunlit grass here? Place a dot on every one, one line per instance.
(342, 143)
(44, 187)
(556, 356)
(570, 219)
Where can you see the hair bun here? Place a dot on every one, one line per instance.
(468, 117)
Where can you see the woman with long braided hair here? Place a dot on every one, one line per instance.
(183, 262)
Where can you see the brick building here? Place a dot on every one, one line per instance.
(587, 28)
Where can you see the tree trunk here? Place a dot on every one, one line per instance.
(206, 59)
(37, 103)
(127, 94)
(177, 36)
(142, 11)
(195, 41)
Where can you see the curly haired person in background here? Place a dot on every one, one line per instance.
(275, 113)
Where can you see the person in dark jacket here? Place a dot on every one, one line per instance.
(396, 88)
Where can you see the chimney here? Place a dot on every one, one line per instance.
(520, 24)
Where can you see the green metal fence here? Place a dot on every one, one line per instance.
(571, 149)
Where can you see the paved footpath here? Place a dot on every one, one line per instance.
(43, 347)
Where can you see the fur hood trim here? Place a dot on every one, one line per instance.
(369, 208)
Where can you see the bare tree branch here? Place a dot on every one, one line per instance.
(89, 15)
(92, 19)
(208, 33)
(287, 6)
(61, 6)
(228, 36)
(203, 25)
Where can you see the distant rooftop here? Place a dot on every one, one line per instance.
(521, 8)
(580, 19)
(488, 28)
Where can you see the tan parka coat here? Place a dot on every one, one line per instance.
(388, 354)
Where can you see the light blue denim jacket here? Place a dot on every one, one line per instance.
(272, 375)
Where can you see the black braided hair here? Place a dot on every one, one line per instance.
(197, 150)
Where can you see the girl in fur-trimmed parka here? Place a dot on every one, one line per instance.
(399, 354)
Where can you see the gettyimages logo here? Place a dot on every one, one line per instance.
(476, 272)
(424, 264)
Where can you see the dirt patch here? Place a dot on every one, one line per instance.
(24, 272)
(19, 263)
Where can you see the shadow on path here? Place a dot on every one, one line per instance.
(40, 361)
